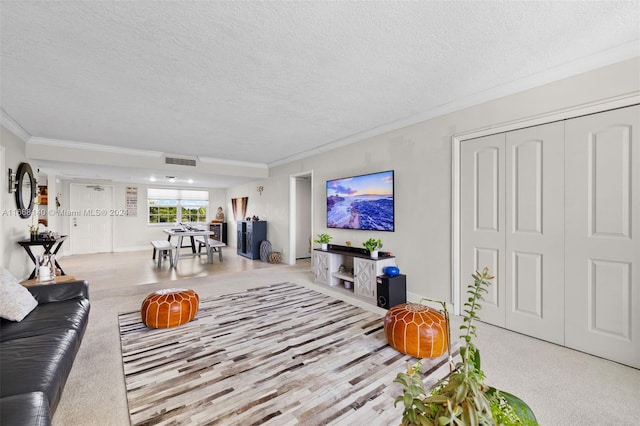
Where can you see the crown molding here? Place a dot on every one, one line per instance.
(583, 65)
(13, 126)
(209, 160)
(58, 143)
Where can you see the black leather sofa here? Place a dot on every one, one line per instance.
(36, 354)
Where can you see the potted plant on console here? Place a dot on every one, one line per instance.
(323, 240)
(373, 245)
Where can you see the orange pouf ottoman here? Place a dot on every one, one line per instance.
(417, 330)
(169, 308)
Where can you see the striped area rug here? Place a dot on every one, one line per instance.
(281, 355)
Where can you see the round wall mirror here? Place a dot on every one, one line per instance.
(25, 190)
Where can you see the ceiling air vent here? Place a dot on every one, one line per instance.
(180, 161)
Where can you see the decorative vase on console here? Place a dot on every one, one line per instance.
(33, 232)
(47, 268)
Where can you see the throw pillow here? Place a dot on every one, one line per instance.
(15, 300)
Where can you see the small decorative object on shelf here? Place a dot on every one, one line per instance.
(392, 271)
(373, 245)
(33, 232)
(46, 267)
(219, 216)
(323, 240)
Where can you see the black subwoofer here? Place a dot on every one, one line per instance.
(392, 291)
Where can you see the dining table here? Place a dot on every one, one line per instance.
(192, 233)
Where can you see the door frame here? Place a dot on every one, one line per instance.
(2, 227)
(292, 212)
(110, 216)
(456, 140)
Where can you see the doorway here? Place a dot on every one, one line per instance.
(300, 216)
(91, 224)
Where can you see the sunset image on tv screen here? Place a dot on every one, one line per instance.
(361, 202)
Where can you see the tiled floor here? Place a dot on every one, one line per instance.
(112, 270)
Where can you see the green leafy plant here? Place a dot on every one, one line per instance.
(462, 398)
(372, 244)
(323, 239)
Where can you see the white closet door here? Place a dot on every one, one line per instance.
(482, 222)
(535, 231)
(602, 235)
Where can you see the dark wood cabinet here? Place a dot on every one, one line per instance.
(250, 235)
(220, 229)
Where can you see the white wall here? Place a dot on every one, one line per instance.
(421, 156)
(12, 227)
(272, 206)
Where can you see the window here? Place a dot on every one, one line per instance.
(163, 211)
(194, 211)
(177, 205)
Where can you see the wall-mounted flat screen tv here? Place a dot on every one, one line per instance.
(361, 202)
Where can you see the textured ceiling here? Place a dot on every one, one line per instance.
(264, 82)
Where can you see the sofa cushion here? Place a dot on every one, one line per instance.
(49, 319)
(25, 409)
(38, 363)
(49, 293)
(15, 300)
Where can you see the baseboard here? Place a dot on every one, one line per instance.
(133, 248)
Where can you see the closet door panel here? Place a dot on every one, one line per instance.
(482, 220)
(535, 228)
(602, 224)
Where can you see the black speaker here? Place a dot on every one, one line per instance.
(392, 291)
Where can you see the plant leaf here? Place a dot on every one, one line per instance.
(416, 390)
(420, 405)
(399, 398)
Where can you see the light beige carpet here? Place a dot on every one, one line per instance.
(278, 354)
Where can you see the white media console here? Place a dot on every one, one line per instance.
(350, 268)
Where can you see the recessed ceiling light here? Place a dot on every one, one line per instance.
(190, 181)
(152, 178)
